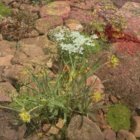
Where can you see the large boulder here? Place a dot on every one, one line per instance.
(57, 8)
(35, 51)
(6, 60)
(31, 55)
(9, 131)
(44, 24)
(16, 74)
(7, 50)
(85, 5)
(81, 128)
(5, 90)
(120, 3)
(130, 12)
(123, 81)
(81, 15)
(126, 47)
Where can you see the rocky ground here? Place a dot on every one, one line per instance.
(25, 44)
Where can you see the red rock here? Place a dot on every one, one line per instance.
(130, 12)
(126, 47)
(133, 29)
(81, 15)
(57, 8)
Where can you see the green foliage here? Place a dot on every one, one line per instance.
(118, 117)
(66, 94)
(74, 47)
(53, 98)
(46, 98)
(4, 11)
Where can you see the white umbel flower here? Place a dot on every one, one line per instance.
(71, 48)
(72, 41)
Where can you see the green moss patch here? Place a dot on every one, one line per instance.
(118, 117)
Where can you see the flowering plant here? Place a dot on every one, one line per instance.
(73, 42)
(114, 61)
(48, 99)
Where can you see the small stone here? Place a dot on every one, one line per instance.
(136, 128)
(109, 134)
(74, 25)
(53, 130)
(125, 135)
(60, 123)
(46, 127)
(100, 118)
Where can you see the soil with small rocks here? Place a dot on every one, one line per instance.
(28, 45)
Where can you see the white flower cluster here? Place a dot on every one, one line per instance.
(71, 48)
(72, 41)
